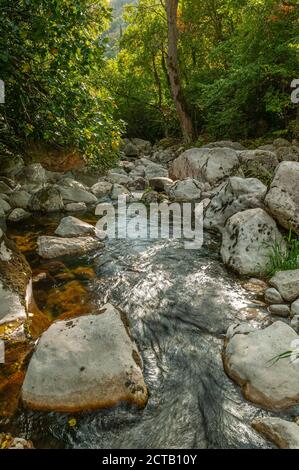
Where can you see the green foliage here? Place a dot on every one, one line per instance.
(281, 259)
(237, 59)
(51, 58)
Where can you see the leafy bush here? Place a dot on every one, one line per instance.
(51, 60)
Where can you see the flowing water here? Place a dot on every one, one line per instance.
(179, 304)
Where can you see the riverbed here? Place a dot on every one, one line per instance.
(179, 304)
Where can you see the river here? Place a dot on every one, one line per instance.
(179, 304)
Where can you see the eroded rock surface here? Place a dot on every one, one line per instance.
(85, 363)
(249, 360)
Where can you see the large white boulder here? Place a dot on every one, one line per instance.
(249, 359)
(85, 363)
(206, 165)
(237, 195)
(73, 227)
(53, 247)
(247, 240)
(283, 197)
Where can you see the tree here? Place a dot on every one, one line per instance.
(174, 71)
(52, 55)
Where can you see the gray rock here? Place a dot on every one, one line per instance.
(144, 146)
(287, 284)
(11, 165)
(145, 162)
(253, 161)
(127, 166)
(237, 195)
(72, 194)
(249, 360)
(206, 165)
(76, 207)
(187, 190)
(295, 307)
(119, 190)
(35, 173)
(4, 206)
(47, 199)
(72, 183)
(295, 323)
(164, 155)
(283, 197)
(130, 150)
(153, 170)
(247, 240)
(150, 197)
(138, 184)
(18, 214)
(160, 184)
(85, 363)
(226, 144)
(20, 198)
(15, 285)
(268, 147)
(237, 329)
(119, 178)
(284, 434)
(139, 171)
(73, 227)
(118, 170)
(272, 296)
(4, 188)
(101, 189)
(288, 154)
(53, 247)
(280, 142)
(281, 310)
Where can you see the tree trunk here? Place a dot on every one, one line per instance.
(174, 72)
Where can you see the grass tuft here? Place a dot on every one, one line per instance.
(281, 259)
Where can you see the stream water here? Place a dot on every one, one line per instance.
(179, 304)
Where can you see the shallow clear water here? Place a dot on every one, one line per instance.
(179, 304)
